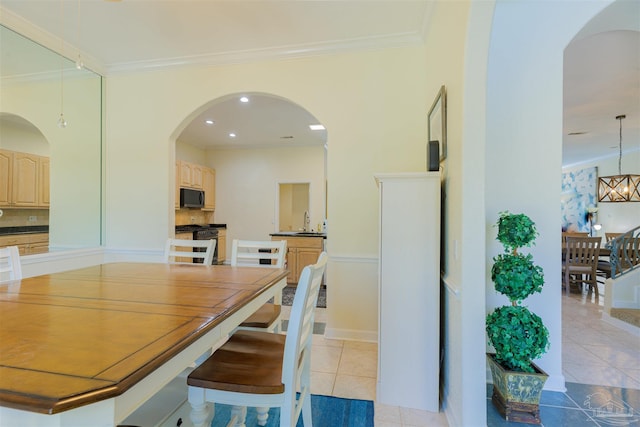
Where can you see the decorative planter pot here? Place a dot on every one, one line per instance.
(516, 395)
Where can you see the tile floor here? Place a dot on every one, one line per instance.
(601, 364)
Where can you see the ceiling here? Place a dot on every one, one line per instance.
(602, 72)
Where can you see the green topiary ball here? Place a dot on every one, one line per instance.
(516, 276)
(515, 230)
(518, 336)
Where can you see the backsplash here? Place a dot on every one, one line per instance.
(186, 216)
(21, 217)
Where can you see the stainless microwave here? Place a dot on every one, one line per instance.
(191, 198)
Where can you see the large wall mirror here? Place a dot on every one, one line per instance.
(36, 85)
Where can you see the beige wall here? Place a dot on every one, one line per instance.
(373, 105)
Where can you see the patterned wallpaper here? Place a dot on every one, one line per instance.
(578, 193)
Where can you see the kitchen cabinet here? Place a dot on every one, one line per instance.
(28, 244)
(177, 189)
(409, 290)
(222, 245)
(209, 187)
(24, 180)
(43, 182)
(301, 251)
(6, 175)
(190, 175)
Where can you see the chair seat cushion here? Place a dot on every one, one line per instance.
(249, 362)
(263, 317)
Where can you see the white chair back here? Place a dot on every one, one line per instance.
(297, 349)
(10, 268)
(184, 249)
(250, 253)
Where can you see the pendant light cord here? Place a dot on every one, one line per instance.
(62, 57)
(620, 117)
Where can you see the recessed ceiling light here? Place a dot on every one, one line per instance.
(244, 99)
(209, 122)
(232, 135)
(316, 127)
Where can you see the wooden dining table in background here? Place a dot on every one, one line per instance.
(88, 346)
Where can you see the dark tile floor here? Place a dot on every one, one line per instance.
(581, 405)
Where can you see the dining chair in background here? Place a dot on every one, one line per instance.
(10, 268)
(262, 369)
(253, 253)
(566, 234)
(183, 251)
(610, 236)
(580, 262)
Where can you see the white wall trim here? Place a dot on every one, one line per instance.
(351, 335)
(633, 330)
(353, 258)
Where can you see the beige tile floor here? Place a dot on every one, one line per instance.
(349, 369)
(594, 352)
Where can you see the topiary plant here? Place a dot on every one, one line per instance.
(517, 334)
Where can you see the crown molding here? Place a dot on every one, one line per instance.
(275, 53)
(46, 39)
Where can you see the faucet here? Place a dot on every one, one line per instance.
(307, 220)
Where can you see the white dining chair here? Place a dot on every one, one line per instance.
(10, 268)
(253, 253)
(261, 369)
(177, 250)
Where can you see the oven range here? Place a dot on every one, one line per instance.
(201, 232)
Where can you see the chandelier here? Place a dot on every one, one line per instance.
(619, 188)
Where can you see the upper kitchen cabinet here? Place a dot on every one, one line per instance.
(6, 170)
(44, 170)
(209, 187)
(190, 175)
(25, 180)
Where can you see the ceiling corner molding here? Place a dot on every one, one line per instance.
(27, 29)
(276, 53)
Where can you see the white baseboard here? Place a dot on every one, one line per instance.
(634, 330)
(351, 335)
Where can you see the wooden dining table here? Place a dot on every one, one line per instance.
(87, 347)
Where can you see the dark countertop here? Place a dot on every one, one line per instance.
(299, 234)
(193, 227)
(27, 229)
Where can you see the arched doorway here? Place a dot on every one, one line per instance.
(253, 141)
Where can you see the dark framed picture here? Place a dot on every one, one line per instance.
(437, 122)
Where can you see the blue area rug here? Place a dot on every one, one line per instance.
(326, 411)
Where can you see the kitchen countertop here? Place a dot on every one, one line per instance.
(299, 234)
(27, 229)
(193, 227)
